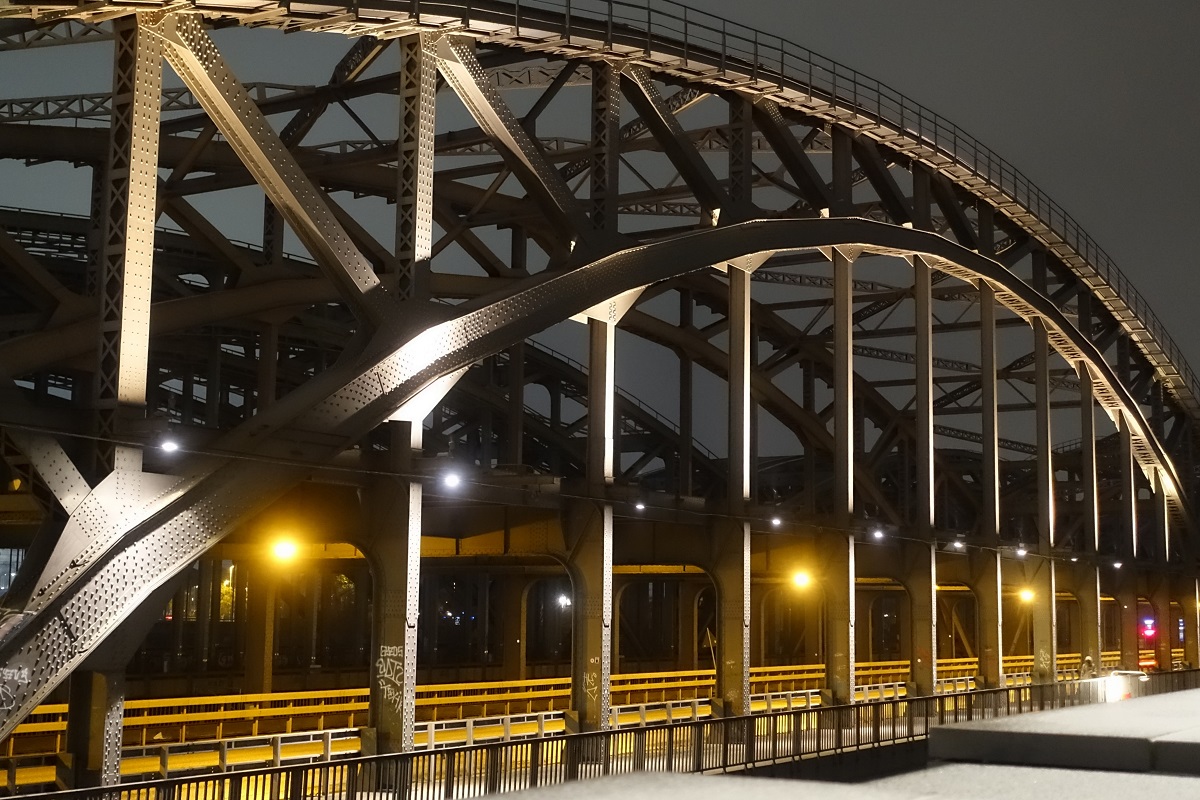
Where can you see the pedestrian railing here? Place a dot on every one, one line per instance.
(708, 746)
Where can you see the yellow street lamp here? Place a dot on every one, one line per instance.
(801, 579)
(284, 550)
(1026, 595)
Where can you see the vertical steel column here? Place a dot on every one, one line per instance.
(414, 167)
(921, 582)
(988, 587)
(843, 388)
(127, 251)
(601, 402)
(202, 643)
(262, 588)
(1086, 579)
(394, 515)
(1043, 615)
(922, 571)
(606, 139)
(268, 367)
(741, 156)
(1162, 514)
(986, 563)
(95, 712)
(1127, 546)
(1088, 476)
(739, 390)
(990, 509)
(842, 199)
(923, 404)
(516, 404)
(1160, 601)
(731, 572)
(589, 528)
(1190, 602)
(1127, 599)
(688, 636)
(514, 619)
(837, 558)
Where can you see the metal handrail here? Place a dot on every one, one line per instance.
(706, 746)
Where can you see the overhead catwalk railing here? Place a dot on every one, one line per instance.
(703, 48)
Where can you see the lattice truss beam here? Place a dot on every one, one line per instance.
(500, 230)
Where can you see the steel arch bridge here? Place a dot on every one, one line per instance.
(903, 330)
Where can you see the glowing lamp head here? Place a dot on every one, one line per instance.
(878, 534)
(452, 480)
(1021, 551)
(1026, 595)
(776, 522)
(564, 601)
(958, 545)
(284, 550)
(801, 579)
(170, 446)
(640, 506)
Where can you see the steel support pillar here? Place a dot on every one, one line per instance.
(685, 400)
(202, 643)
(1088, 477)
(843, 389)
(515, 436)
(601, 402)
(514, 617)
(1043, 617)
(1162, 516)
(127, 250)
(414, 168)
(740, 466)
(1086, 588)
(262, 589)
(1127, 599)
(921, 582)
(923, 511)
(1190, 602)
(589, 530)
(837, 560)
(1045, 444)
(95, 711)
(1127, 545)
(731, 576)
(688, 637)
(394, 515)
(989, 424)
(1160, 601)
(988, 588)
(606, 140)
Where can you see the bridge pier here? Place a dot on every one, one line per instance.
(588, 527)
(95, 705)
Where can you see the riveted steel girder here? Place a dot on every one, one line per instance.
(338, 407)
(195, 58)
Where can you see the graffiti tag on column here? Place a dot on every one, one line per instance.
(389, 672)
(591, 685)
(1043, 663)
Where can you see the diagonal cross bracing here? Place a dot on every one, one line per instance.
(195, 58)
(181, 517)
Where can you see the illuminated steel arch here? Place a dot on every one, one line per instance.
(822, 167)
